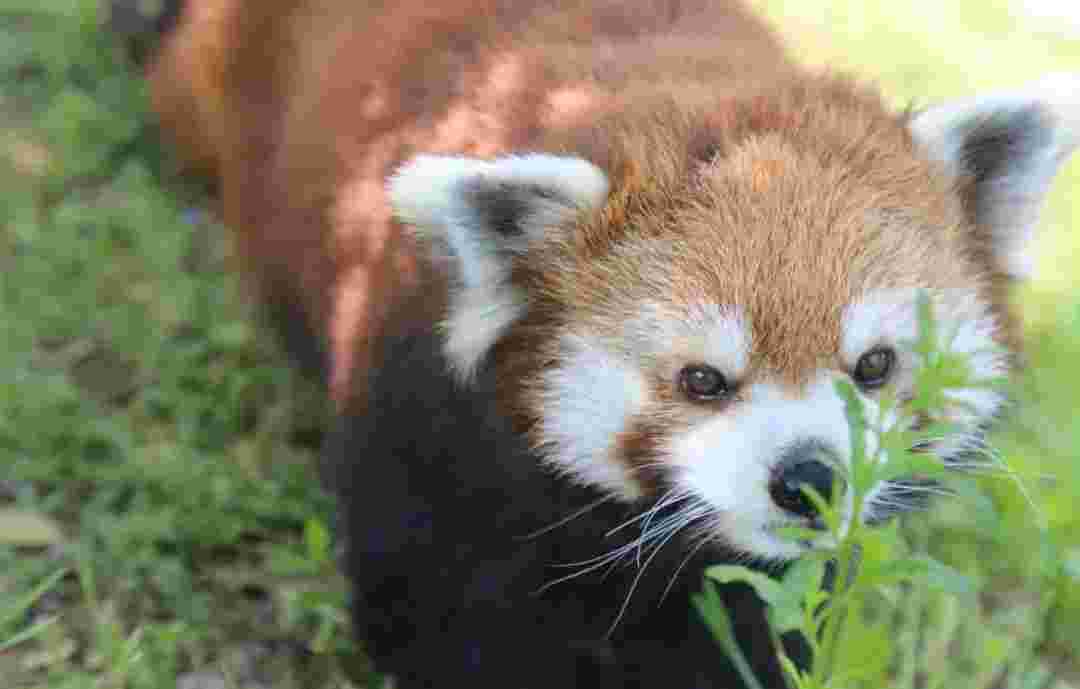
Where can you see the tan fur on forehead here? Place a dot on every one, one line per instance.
(788, 204)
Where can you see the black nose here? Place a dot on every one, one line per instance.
(806, 464)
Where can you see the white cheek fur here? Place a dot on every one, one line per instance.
(585, 404)
(591, 397)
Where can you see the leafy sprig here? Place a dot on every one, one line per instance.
(827, 594)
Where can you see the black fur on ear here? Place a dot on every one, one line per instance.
(505, 208)
(1005, 151)
(479, 214)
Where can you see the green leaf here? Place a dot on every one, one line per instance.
(797, 533)
(924, 569)
(927, 339)
(282, 562)
(769, 590)
(21, 605)
(866, 650)
(785, 610)
(787, 615)
(855, 413)
(906, 464)
(27, 634)
(711, 608)
(800, 679)
(829, 514)
(317, 540)
(878, 546)
(804, 575)
(942, 577)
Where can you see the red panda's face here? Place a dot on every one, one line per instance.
(682, 398)
(696, 358)
(679, 336)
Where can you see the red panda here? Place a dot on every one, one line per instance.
(581, 277)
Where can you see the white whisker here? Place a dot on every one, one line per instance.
(621, 550)
(596, 563)
(895, 488)
(881, 501)
(704, 539)
(641, 515)
(567, 519)
(641, 572)
(672, 500)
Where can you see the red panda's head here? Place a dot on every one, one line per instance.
(667, 310)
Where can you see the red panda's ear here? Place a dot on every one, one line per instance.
(479, 214)
(1005, 149)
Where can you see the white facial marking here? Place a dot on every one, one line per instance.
(586, 403)
(728, 460)
(963, 321)
(725, 342)
(437, 196)
(702, 333)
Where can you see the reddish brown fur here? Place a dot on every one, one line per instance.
(849, 207)
(301, 109)
(790, 205)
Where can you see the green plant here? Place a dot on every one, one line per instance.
(14, 612)
(841, 622)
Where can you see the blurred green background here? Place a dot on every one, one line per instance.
(157, 457)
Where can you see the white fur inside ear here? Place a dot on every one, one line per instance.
(1025, 135)
(480, 213)
(477, 318)
(426, 192)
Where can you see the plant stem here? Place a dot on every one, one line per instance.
(836, 612)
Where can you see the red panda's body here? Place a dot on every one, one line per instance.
(300, 110)
(566, 263)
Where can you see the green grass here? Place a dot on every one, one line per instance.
(152, 434)
(157, 512)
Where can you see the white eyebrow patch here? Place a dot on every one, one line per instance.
(703, 332)
(881, 318)
(963, 320)
(890, 317)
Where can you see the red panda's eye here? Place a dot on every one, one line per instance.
(873, 368)
(703, 383)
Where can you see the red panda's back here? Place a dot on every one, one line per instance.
(299, 111)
